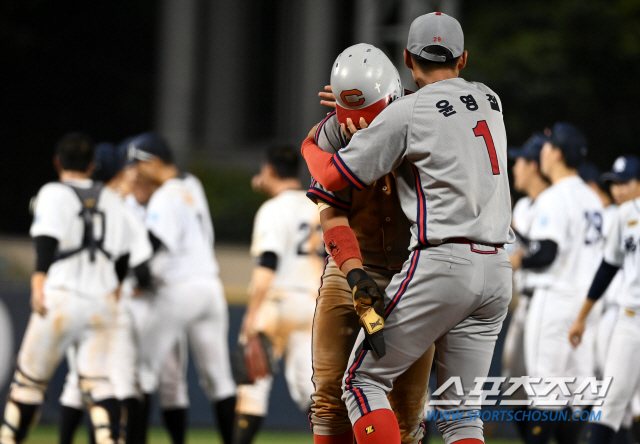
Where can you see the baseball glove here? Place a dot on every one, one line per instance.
(253, 360)
(369, 305)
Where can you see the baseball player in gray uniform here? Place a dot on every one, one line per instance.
(82, 240)
(447, 145)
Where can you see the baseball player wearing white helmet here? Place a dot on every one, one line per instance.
(447, 146)
(365, 82)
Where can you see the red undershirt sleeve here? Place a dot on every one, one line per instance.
(321, 166)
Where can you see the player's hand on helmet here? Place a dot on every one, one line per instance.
(328, 99)
(350, 128)
(576, 331)
(369, 304)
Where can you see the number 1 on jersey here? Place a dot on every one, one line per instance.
(482, 129)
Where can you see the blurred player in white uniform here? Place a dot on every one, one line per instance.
(567, 231)
(528, 180)
(189, 297)
(82, 240)
(173, 390)
(622, 252)
(109, 163)
(591, 175)
(287, 246)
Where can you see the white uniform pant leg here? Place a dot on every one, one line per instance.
(161, 319)
(124, 372)
(548, 352)
(71, 395)
(174, 389)
(623, 365)
(603, 336)
(71, 319)
(95, 351)
(298, 369)
(209, 342)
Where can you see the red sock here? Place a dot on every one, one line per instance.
(377, 427)
(469, 441)
(343, 438)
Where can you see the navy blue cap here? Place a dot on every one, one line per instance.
(531, 148)
(108, 164)
(589, 172)
(571, 141)
(148, 145)
(624, 169)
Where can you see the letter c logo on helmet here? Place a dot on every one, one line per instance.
(352, 97)
(364, 81)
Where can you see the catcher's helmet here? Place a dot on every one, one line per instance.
(364, 81)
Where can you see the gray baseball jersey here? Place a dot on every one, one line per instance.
(448, 146)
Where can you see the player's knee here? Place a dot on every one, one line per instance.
(18, 419)
(96, 389)
(27, 390)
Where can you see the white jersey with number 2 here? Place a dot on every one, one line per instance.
(289, 226)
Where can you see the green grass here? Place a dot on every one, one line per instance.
(46, 434)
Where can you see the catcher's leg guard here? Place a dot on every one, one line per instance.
(18, 419)
(175, 421)
(103, 413)
(246, 428)
(21, 412)
(105, 418)
(225, 413)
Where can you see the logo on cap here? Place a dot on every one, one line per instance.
(348, 97)
(620, 165)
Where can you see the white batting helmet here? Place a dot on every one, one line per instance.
(364, 81)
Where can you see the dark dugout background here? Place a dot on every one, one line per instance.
(246, 73)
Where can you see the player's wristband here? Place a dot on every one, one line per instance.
(342, 244)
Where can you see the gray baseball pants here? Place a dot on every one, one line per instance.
(453, 295)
